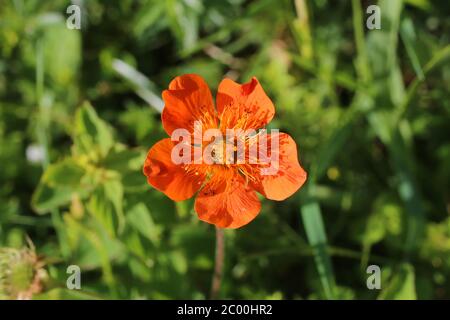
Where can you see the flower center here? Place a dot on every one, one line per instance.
(223, 152)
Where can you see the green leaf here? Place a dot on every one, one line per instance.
(114, 193)
(385, 220)
(106, 205)
(62, 52)
(128, 163)
(409, 39)
(139, 217)
(401, 285)
(92, 134)
(124, 160)
(46, 198)
(134, 182)
(179, 262)
(101, 209)
(375, 230)
(93, 247)
(384, 223)
(58, 183)
(65, 173)
(183, 22)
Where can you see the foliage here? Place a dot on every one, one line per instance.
(369, 110)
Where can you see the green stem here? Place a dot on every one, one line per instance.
(218, 265)
(362, 63)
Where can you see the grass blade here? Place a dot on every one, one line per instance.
(409, 36)
(141, 84)
(315, 232)
(408, 192)
(362, 63)
(438, 58)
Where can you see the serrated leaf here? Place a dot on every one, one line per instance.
(92, 134)
(124, 160)
(46, 198)
(58, 183)
(105, 205)
(65, 173)
(139, 217)
(114, 193)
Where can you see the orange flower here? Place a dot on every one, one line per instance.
(225, 189)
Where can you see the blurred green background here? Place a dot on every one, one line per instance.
(369, 110)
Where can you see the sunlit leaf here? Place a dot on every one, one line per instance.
(139, 217)
(401, 286)
(91, 133)
(64, 174)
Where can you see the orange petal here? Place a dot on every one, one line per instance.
(227, 203)
(168, 177)
(288, 175)
(243, 106)
(188, 100)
